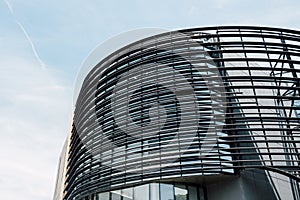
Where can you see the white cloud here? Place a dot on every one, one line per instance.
(33, 115)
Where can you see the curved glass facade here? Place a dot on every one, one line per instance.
(203, 102)
(154, 191)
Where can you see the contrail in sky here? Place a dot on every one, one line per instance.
(9, 7)
(36, 55)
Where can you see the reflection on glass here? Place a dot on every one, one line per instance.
(181, 192)
(103, 196)
(192, 193)
(127, 194)
(155, 191)
(201, 194)
(141, 192)
(297, 104)
(116, 195)
(166, 192)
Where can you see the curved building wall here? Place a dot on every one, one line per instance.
(204, 102)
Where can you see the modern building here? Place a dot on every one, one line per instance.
(196, 114)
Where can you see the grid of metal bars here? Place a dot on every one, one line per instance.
(259, 69)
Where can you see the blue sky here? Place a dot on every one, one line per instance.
(44, 43)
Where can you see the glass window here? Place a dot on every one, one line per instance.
(103, 196)
(141, 192)
(116, 195)
(201, 194)
(297, 104)
(180, 192)
(192, 193)
(154, 191)
(127, 194)
(166, 192)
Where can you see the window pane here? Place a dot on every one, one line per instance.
(166, 192)
(127, 194)
(154, 191)
(201, 194)
(116, 195)
(180, 192)
(103, 196)
(192, 193)
(141, 192)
